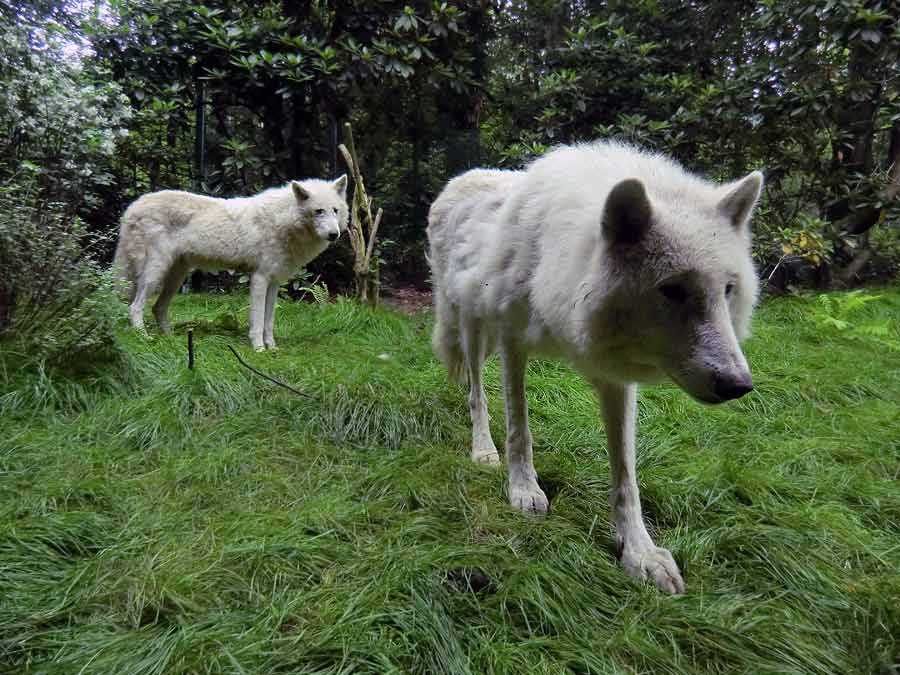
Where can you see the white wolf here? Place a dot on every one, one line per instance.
(163, 235)
(614, 259)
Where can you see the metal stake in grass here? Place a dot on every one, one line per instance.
(190, 334)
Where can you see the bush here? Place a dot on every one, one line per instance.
(56, 300)
(885, 243)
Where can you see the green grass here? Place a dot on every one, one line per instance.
(160, 520)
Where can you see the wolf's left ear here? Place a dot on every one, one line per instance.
(627, 213)
(300, 192)
(340, 185)
(740, 198)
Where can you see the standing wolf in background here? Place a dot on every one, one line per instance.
(163, 235)
(615, 260)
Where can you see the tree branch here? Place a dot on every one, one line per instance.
(266, 377)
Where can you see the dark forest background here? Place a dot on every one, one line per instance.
(104, 101)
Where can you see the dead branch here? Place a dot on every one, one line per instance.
(361, 210)
(372, 232)
(267, 377)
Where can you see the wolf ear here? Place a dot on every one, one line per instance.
(740, 198)
(627, 213)
(340, 185)
(300, 192)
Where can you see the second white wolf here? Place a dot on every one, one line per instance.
(163, 235)
(618, 261)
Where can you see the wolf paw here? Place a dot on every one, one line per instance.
(486, 456)
(528, 497)
(653, 563)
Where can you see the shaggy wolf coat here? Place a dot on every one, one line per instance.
(163, 235)
(619, 262)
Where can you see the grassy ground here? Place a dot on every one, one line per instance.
(158, 520)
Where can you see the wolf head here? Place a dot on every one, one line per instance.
(682, 283)
(323, 206)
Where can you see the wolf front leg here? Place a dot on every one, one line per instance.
(259, 286)
(269, 330)
(524, 491)
(640, 557)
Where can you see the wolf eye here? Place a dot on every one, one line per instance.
(729, 289)
(674, 292)
(319, 212)
(334, 209)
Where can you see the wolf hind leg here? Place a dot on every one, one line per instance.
(172, 282)
(146, 284)
(474, 348)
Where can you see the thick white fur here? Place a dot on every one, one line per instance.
(163, 235)
(479, 188)
(619, 262)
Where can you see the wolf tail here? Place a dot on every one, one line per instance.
(120, 260)
(129, 257)
(446, 340)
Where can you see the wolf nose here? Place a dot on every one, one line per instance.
(728, 388)
(332, 236)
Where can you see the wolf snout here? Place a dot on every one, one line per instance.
(332, 236)
(728, 387)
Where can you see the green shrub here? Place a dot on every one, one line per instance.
(885, 243)
(57, 302)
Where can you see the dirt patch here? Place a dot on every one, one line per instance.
(408, 299)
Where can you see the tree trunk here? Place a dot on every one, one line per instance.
(865, 219)
(855, 121)
(892, 189)
(6, 303)
(275, 128)
(199, 136)
(368, 287)
(301, 123)
(419, 213)
(849, 274)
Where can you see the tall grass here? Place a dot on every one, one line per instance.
(160, 520)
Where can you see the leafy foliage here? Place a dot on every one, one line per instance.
(806, 90)
(228, 97)
(846, 314)
(60, 124)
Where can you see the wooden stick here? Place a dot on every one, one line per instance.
(372, 232)
(266, 377)
(363, 247)
(190, 348)
(357, 238)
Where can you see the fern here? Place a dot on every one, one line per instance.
(840, 313)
